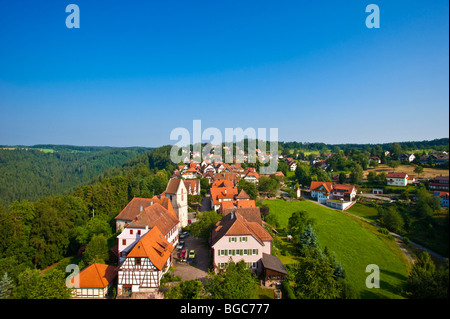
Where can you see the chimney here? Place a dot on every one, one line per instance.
(141, 208)
(232, 214)
(146, 228)
(225, 191)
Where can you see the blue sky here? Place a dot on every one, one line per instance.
(135, 70)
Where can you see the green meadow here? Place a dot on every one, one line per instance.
(355, 243)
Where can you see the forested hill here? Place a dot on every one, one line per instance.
(33, 172)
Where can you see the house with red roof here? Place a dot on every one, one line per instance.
(237, 238)
(140, 216)
(344, 192)
(148, 260)
(397, 179)
(320, 191)
(94, 281)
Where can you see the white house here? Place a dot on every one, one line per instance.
(407, 157)
(137, 221)
(321, 191)
(236, 238)
(397, 179)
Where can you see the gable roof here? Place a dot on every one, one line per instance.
(95, 276)
(250, 214)
(155, 215)
(396, 175)
(133, 208)
(222, 183)
(153, 246)
(222, 193)
(234, 224)
(343, 188)
(316, 185)
(172, 186)
(273, 263)
(193, 183)
(242, 195)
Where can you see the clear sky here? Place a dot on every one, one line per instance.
(135, 70)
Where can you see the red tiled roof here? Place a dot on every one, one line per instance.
(222, 193)
(154, 246)
(95, 276)
(396, 175)
(315, 185)
(155, 215)
(236, 224)
(343, 188)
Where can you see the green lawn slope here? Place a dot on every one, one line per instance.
(355, 244)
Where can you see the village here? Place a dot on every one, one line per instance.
(153, 239)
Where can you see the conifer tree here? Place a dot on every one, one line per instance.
(6, 285)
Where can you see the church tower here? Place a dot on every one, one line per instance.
(177, 193)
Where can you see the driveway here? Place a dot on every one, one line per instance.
(199, 267)
(373, 196)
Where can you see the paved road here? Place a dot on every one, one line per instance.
(197, 269)
(205, 205)
(372, 196)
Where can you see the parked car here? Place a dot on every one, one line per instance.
(183, 254)
(180, 245)
(191, 255)
(184, 234)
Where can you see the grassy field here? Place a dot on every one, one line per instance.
(355, 243)
(364, 211)
(409, 169)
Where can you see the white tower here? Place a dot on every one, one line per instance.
(177, 193)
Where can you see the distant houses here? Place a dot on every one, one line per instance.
(439, 183)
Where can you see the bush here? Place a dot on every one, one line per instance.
(286, 290)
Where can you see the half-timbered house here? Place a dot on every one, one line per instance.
(146, 263)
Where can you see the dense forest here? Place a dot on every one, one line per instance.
(42, 170)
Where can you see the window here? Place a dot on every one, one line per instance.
(137, 261)
(139, 232)
(232, 239)
(243, 239)
(124, 241)
(255, 251)
(131, 232)
(245, 252)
